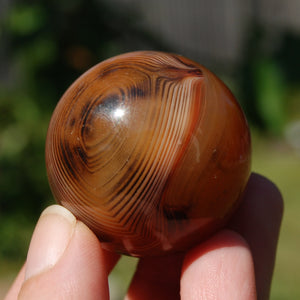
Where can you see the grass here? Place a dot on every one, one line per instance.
(275, 160)
(282, 165)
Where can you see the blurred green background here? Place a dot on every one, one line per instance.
(46, 45)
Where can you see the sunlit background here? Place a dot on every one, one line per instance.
(254, 46)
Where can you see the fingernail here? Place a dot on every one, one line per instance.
(50, 238)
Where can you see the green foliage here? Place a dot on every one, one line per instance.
(270, 93)
(24, 19)
(266, 78)
(15, 237)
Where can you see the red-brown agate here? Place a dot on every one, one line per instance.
(150, 150)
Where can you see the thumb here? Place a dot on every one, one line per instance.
(65, 260)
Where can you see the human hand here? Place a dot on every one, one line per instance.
(65, 259)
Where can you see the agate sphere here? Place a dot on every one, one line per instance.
(150, 150)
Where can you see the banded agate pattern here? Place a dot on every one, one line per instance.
(150, 150)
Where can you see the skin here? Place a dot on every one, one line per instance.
(235, 263)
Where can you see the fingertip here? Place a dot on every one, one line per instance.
(220, 268)
(80, 267)
(224, 238)
(50, 239)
